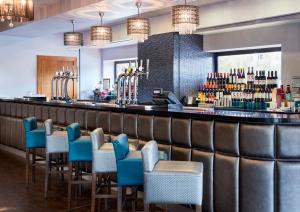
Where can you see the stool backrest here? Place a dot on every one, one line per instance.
(150, 155)
(97, 137)
(30, 124)
(49, 126)
(73, 131)
(121, 147)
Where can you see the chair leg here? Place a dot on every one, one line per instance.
(33, 165)
(70, 186)
(120, 190)
(62, 167)
(134, 193)
(94, 180)
(198, 208)
(46, 174)
(146, 207)
(27, 166)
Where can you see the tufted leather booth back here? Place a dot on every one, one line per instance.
(247, 167)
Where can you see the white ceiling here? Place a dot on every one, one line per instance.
(116, 11)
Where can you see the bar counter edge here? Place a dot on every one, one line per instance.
(251, 160)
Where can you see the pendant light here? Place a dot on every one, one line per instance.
(185, 18)
(138, 28)
(73, 38)
(101, 35)
(16, 11)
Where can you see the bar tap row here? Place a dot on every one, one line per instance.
(127, 83)
(60, 84)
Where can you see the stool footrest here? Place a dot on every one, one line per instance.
(105, 196)
(78, 182)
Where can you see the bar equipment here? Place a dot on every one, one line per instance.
(129, 79)
(60, 84)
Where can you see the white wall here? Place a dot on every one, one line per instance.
(288, 36)
(18, 64)
(119, 52)
(110, 55)
(90, 71)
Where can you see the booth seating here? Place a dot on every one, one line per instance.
(171, 182)
(35, 138)
(80, 151)
(56, 145)
(129, 167)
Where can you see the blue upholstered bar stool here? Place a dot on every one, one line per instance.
(171, 182)
(34, 138)
(56, 145)
(104, 164)
(80, 150)
(129, 167)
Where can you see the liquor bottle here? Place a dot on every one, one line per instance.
(263, 79)
(275, 80)
(256, 79)
(234, 77)
(259, 79)
(252, 76)
(244, 80)
(288, 93)
(208, 79)
(230, 76)
(248, 76)
(269, 81)
(238, 76)
(272, 78)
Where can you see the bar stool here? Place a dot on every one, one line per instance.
(171, 182)
(80, 150)
(56, 144)
(104, 164)
(129, 167)
(34, 138)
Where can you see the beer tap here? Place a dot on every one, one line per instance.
(54, 80)
(119, 86)
(139, 72)
(126, 78)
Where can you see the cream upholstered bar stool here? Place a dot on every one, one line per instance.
(104, 164)
(56, 145)
(170, 182)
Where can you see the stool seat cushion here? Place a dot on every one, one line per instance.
(178, 168)
(130, 170)
(36, 138)
(57, 142)
(104, 160)
(81, 149)
(174, 182)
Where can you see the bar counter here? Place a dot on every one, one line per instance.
(186, 112)
(251, 159)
